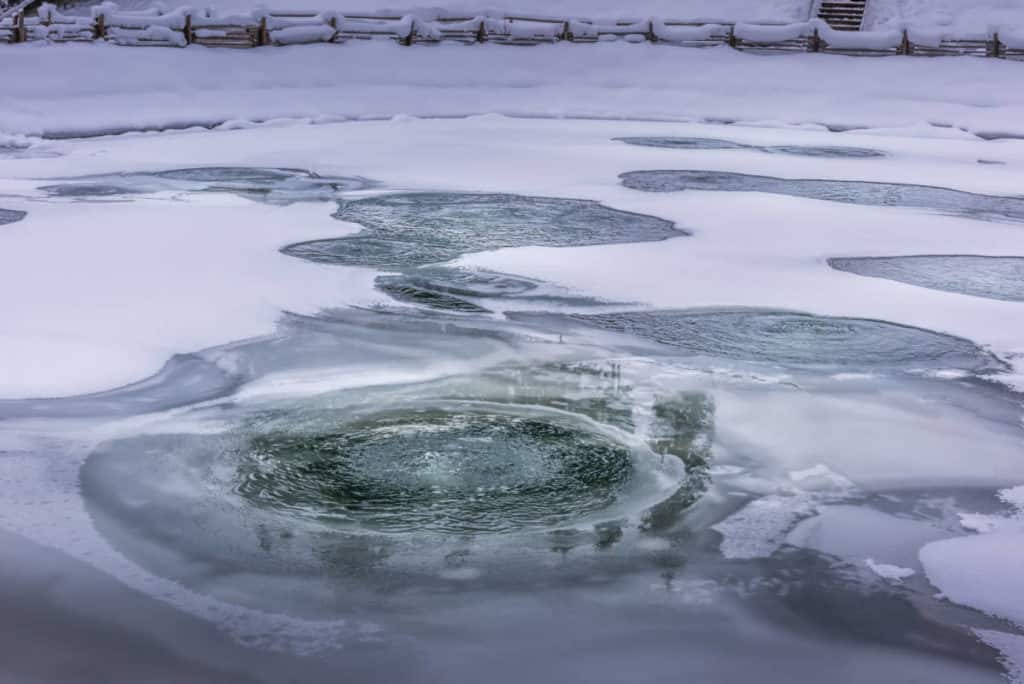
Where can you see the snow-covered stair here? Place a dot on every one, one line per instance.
(842, 15)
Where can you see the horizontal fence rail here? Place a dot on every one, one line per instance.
(180, 28)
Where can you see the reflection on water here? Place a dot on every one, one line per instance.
(403, 231)
(823, 152)
(980, 276)
(944, 200)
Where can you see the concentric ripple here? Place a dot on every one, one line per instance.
(437, 471)
(469, 291)
(979, 276)
(822, 152)
(799, 339)
(408, 230)
(944, 200)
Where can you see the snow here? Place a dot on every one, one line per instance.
(236, 287)
(777, 11)
(983, 571)
(293, 35)
(159, 88)
(859, 40)
(893, 573)
(199, 273)
(773, 34)
(959, 16)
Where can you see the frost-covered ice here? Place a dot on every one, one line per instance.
(328, 412)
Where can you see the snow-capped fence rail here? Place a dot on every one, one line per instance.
(183, 27)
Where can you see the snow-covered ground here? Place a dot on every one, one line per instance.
(76, 89)
(770, 11)
(955, 16)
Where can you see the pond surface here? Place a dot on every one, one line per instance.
(867, 193)
(402, 231)
(979, 276)
(825, 152)
(492, 477)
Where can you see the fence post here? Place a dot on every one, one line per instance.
(814, 44)
(651, 36)
(19, 28)
(994, 47)
(407, 40)
(188, 29)
(100, 29)
(262, 36)
(905, 48)
(732, 35)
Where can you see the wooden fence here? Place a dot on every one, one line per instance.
(182, 27)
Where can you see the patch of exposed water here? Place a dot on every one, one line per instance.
(271, 185)
(979, 276)
(821, 152)
(404, 231)
(11, 216)
(868, 193)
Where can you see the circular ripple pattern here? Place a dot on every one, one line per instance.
(437, 471)
(801, 339)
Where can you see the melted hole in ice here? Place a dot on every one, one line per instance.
(980, 276)
(436, 471)
(827, 152)
(468, 291)
(11, 216)
(348, 484)
(274, 186)
(954, 202)
(798, 339)
(402, 231)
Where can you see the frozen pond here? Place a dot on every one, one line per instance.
(506, 422)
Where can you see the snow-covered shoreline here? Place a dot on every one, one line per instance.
(89, 89)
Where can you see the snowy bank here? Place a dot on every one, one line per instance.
(74, 91)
